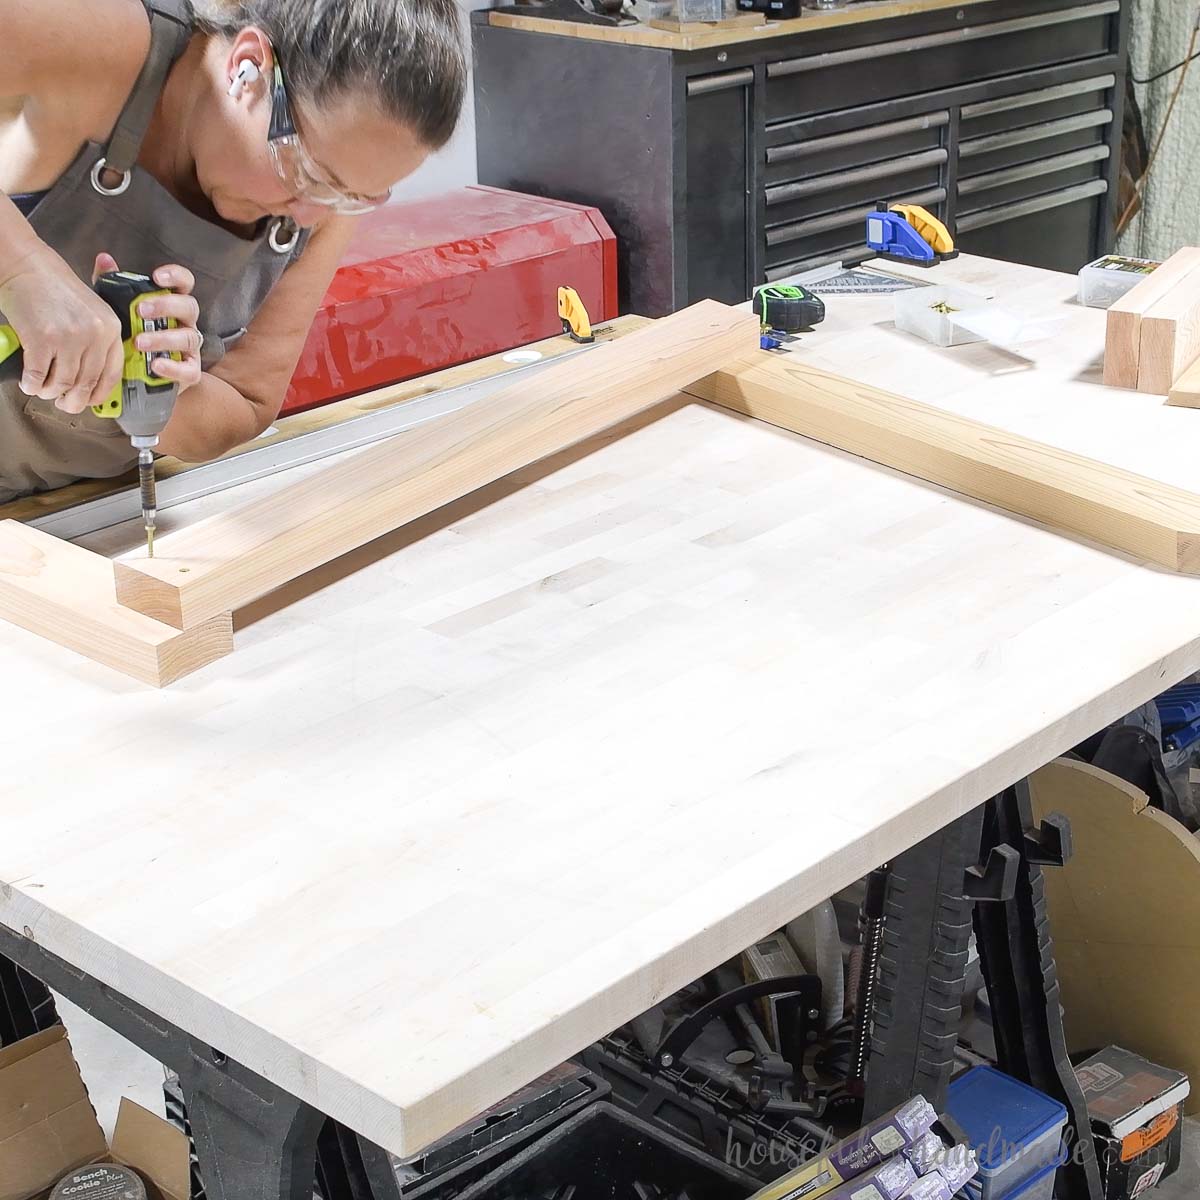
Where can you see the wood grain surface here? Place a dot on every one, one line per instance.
(1131, 513)
(492, 785)
(222, 564)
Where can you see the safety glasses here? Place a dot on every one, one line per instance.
(303, 177)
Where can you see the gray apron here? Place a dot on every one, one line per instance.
(105, 202)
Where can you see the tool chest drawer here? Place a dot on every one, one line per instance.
(961, 45)
(1011, 184)
(1035, 107)
(857, 187)
(1047, 140)
(1058, 230)
(792, 154)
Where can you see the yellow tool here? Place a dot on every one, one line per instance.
(574, 316)
(928, 226)
(142, 403)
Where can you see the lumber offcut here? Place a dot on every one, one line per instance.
(1185, 392)
(66, 594)
(1140, 516)
(228, 560)
(1123, 331)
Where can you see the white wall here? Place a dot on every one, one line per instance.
(1170, 215)
(454, 165)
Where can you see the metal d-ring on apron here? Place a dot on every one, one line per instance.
(105, 202)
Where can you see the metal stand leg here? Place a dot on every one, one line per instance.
(254, 1141)
(918, 998)
(1017, 956)
(931, 891)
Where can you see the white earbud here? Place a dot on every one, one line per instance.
(247, 73)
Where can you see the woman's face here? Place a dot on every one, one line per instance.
(349, 140)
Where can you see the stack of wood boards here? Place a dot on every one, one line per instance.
(1152, 341)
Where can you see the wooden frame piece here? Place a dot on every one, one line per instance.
(224, 562)
(66, 594)
(1142, 517)
(1123, 330)
(41, 504)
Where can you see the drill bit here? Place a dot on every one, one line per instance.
(149, 496)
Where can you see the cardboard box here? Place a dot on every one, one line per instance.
(48, 1127)
(1136, 1113)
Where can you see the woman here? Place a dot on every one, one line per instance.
(223, 151)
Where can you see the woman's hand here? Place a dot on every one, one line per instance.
(70, 338)
(186, 339)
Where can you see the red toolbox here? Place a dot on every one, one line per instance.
(435, 282)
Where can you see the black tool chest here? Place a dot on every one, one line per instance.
(723, 168)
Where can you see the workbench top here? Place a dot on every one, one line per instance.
(810, 21)
(475, 795)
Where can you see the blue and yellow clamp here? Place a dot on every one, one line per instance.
(909, 233)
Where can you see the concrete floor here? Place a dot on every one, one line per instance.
(112, 1068)
(1185, 1183)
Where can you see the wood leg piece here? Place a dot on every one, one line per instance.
(1123, 333)
(66, 594)
(1142, 517)
(1170, 338)
(224, 562)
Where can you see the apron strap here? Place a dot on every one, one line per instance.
(170, 30)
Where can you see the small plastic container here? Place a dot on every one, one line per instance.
(916, 312)
(1106, 280)
(1015, 1130)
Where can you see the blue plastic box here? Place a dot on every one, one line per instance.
(1015, 1130)
(1040, 1187)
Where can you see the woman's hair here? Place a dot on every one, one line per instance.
(407, 52)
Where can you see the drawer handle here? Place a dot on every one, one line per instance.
(1043, 166)
(1033, 133)
(795, 230)
(855, 137)
(837, 58)
(825, 183)
(720, 83)
(1023, 208)
(1098, 83)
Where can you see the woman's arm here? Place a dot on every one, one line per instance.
(65, 67)
(243, 393)
(62, 52)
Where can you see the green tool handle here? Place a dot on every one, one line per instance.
(11, 358)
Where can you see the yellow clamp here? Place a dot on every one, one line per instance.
(574, 316)
(934, 233)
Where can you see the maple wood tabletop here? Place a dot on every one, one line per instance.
(481, 791)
